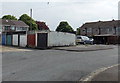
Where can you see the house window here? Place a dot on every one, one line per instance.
(110, 29)
(118, 29)
(89, 30)
(99, 31)
(83, 30)
(12, 28)
(18, 28)
(114, 30)
(7, 27)
(107, 31)
(24, 28)
(21, 28)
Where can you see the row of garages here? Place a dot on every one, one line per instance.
(15, 39)
(38, 39)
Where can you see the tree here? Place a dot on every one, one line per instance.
(64, 27)
(29, 21)
(78, 31)
(9, 17)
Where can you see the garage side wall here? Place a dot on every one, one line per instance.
(60, 39)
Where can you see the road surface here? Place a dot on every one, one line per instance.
(54, 65)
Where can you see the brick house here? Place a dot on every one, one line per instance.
(103, 32)
(42, 25)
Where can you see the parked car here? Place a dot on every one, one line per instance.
(84, 40)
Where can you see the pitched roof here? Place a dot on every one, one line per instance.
(42, 25)
(104, 24)
(13, 22)
(6, 22)
(19, 23)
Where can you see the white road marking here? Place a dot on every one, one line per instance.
(93, 74)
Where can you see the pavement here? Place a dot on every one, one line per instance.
(106, 74)
(13, 49)
(110, 74)
(82, 48)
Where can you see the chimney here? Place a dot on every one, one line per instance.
(113, 20)
(99, 21)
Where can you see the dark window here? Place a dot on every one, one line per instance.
(85, 31)
(99, 31)
(7, 27)
(114, 30)
(89, 30)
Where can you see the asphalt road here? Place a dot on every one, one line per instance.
(54, 65)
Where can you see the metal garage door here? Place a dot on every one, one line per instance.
(42, 40)
(9, 40)
(23, 40)
(3, 39)
(15, 40)
(31, 39)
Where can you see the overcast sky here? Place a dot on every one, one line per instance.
(75, 12)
